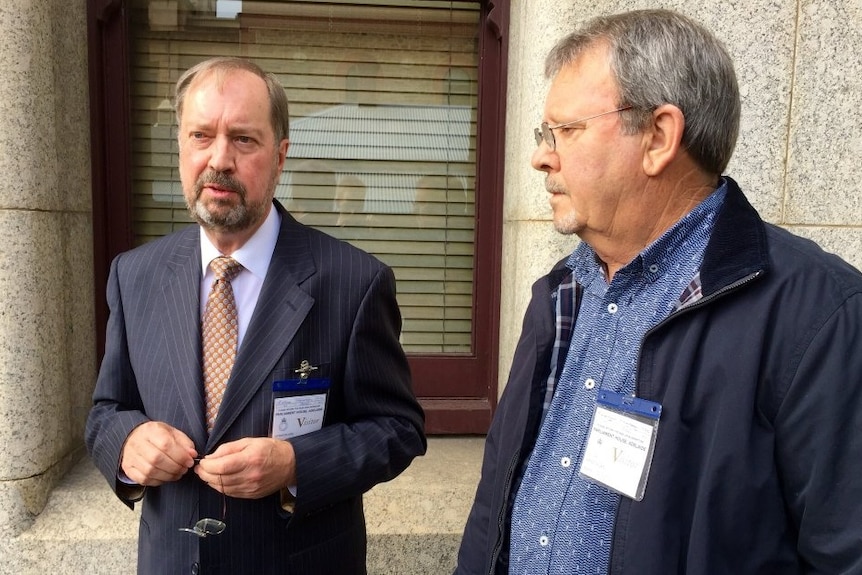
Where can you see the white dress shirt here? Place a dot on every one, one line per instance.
(254, 256)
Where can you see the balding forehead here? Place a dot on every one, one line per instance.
(221, 75)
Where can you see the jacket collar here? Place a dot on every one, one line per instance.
(737, 247)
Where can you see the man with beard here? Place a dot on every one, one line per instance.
(249, 450)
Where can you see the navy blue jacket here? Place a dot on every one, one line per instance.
(758, 459)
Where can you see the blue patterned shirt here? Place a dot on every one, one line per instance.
(561, 522)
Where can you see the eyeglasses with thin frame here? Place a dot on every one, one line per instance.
(209, 526)
(545, 133)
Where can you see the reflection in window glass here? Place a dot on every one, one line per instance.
(383, 132)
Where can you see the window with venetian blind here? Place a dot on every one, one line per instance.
(383, 132)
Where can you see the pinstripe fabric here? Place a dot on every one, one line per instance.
(323, 301)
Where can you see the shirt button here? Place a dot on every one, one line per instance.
(653, 268)
(612, 308)
(543, 540)
(589, 383)
(565, 461)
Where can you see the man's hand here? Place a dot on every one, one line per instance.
(250, 468)
(156, 453)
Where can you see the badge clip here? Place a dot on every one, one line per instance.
(305, 369)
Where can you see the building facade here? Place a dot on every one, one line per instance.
(797, 158)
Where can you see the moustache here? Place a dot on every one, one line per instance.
(553, 187)
(220, 179)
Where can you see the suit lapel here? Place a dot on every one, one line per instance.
(182, 308)
(280, 311)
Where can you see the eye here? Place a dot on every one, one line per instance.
(244, 140)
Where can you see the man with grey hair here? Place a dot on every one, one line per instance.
(253, 386)
(685, 395)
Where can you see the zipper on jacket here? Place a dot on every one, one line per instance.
(699, 303)
(495, 555)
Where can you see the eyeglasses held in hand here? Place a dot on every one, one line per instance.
(209, 526)
(545, 133)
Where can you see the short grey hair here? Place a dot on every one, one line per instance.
(279, 115)
(661, 57)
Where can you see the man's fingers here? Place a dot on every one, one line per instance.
(249, 468)
(156, 453)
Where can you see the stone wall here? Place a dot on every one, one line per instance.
(47, 344)
(800, 144)
(798, 159)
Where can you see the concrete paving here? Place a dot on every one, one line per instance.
(414, 522)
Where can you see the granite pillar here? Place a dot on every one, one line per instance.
(47, 343)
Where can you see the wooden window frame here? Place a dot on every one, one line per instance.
(448, 410)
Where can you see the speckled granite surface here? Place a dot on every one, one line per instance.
(414, 522)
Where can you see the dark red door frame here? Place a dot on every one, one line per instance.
(458, 392)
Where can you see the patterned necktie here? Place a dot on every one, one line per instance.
(220, 331)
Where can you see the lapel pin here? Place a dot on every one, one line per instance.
(305, 369)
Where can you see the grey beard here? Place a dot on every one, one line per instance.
(238, 218)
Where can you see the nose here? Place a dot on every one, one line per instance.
(544, 159)
(221, 155)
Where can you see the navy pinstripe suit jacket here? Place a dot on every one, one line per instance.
(323, 301)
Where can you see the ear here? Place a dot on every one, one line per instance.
(663, 139)
(282, 153)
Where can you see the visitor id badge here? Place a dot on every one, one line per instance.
(621, 442)
(298, 406)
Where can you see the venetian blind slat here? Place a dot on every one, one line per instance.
(383, 135)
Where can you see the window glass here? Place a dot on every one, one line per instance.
(383, 132)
